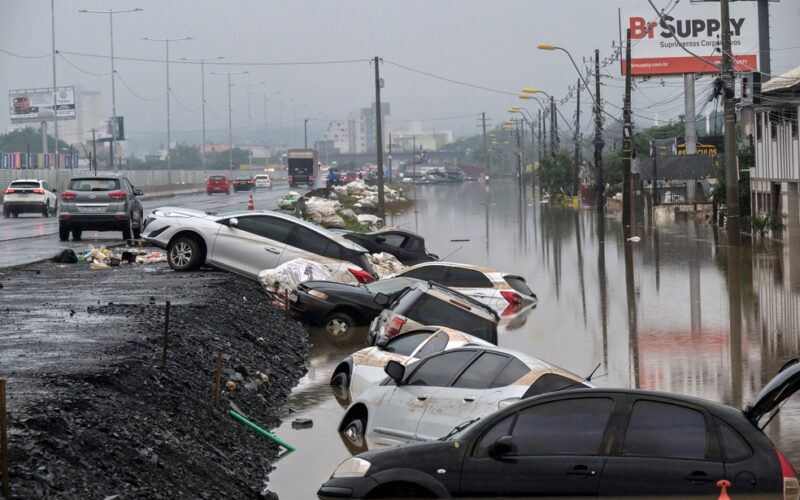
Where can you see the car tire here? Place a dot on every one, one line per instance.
(137, 230)
(127, 230)
(183, 254)
(76, 234)
(46, 210)
(6, 213)
(340, 384)
(63, 232)
(339, 327)
(354, 432)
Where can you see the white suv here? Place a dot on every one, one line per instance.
(29, 195)
(263, 181)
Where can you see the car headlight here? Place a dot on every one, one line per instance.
(318, 294)
(352, 467)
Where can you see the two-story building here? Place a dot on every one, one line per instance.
(775, 179)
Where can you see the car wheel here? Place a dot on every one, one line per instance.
(183, 254)
(46, 210)
(6, 213)
(63, 232)
(76, 234)
(339, 326)
(354, 431)
(137, 230)
(127, 230)
(339, 386)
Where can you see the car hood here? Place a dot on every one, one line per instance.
(777, 390)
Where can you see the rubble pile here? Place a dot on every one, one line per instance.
(385, 264)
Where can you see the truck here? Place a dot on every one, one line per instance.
(302, 167)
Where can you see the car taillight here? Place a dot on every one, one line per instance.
(117, 195)
(395, 326)
(38, 191)
(10, 191)
(362, 276)
(511, 297)
(791, 488)
(68, 195)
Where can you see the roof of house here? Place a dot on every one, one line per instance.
(787, 82)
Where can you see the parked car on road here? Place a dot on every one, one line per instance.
(347, 177)
(431, 304)
(244, 183)
(250, 241)
(29, 195)
(591, 442)
(501, 291)
(217, 184)
(426, 400)
(340, 307)
(100, 204)
(408, 247)
(365, 367)
(263, 181)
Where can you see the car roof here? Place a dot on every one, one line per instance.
(394, 230)
(482, 269)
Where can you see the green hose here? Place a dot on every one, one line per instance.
(273, 437)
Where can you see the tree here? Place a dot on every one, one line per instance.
(557, 173)
(186, 157)
(28, 139)
(220, 161)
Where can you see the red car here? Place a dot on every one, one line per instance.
(347, 177)
(217, 184)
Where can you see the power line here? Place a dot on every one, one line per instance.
(49, 54)
(125, 84)
(450, 80)
(62, 56)
(221, 63)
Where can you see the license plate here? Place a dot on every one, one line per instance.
(92, 209)
(293, 297)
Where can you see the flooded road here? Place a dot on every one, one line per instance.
(678, 311)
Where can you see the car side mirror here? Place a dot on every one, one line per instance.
(503, 446)
(138, 192)
(233, 222)
(380, 239)
(382, 299)
(395, 370)
(382, 342)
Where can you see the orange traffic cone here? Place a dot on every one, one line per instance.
(723, 485)
(250, 205)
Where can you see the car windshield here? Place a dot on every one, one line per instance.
(217, 178)
(93, 184)
(389, 286)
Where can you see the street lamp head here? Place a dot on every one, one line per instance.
(513, 109)
(546, 46)
(529, 90)
(525, 97)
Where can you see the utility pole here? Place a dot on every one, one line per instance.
(379, 138)
(553, 128)
(414, 158)
(305, 133)
(763, 40)
(485, 146)
(203, 97)
(390, 156)
(94, 153)
(731, 168)
(230, 115)
(598, 135)
(55, 88)
(542, 127)
(576, 175)
(627, 131)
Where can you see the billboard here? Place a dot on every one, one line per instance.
(111, 129)
(36, 105)
(656, 41)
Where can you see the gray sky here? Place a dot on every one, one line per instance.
(488, 43)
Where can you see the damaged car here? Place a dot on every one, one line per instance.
(589, 443)
(248, 242)
(408, 247)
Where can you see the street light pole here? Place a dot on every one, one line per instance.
(55, 87)
(169, 138)
(305, 133)
(203, 97)
(230, 114)
(113, 68)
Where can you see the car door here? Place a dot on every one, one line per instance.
(666, 450)
(392, 243)
(398, 413)
(308, 244)
(458, 402)
(558, 451)
(471, 283)
(253, 244)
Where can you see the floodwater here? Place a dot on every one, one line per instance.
(680, 311)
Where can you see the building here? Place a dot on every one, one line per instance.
(775, 179)
(357, 134)
(427, 140)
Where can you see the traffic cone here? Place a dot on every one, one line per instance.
(723, 485)
(250, 205)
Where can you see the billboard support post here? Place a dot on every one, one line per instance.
(689, 114)
(731, 167)
(44, 138)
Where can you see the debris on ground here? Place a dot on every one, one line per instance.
(302, 423)
(114, 256)
(92, 414)
(385, 264)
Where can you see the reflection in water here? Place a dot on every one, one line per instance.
(696, 314)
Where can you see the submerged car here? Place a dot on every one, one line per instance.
(428, 399)
(505, 293)
(100, 204)
(431, 304)
(248, 242)
(365, 367)
(592, 442)
(341, 307)
(29, 195)
(408, 247)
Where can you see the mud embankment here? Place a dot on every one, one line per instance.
(92, 414)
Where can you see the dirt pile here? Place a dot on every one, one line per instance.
(92, 412)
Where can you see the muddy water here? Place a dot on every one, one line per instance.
(680, 311)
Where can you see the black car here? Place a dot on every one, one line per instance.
(339, 307)
(244, 184)
(589, 442)
(408, 247)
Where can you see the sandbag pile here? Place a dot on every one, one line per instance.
(385, 264)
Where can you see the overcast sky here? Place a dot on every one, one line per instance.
(487, 43)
